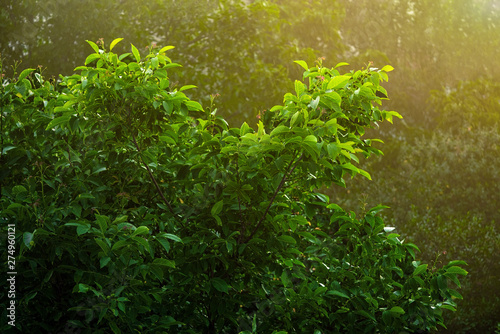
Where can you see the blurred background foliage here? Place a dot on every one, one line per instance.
(441, 169)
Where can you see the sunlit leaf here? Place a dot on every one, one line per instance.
(94, 46)
(114, 42)
(91, 58)
(136, 53)
(302, 63)
(166, 48)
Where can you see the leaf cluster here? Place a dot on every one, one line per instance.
(138, 210)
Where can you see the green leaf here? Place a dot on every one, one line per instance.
(302, 63)
(187, 87)
(164, 262)
(104, 261)
(337, 293)
(168, 140)
(285, 279)
(245, 128)
(294, 118)
(119, 244)
(287, 239)
(448, 307)
(456, 263)
(299, 88)
(387, 317)
(27, 238)
(333, 150)
(420, 269)
(83, 288)
(141, 230)
(338, 82)
(58, 121)
(136, 53)
(171, 237)
(93, 45)
(217, 208)
(397, 310)
(101, 220)
(341, 64)
(25, 73)
(193, 105)
(114, 42)
(166, 48)
(279, 130)
(165, 244)
(91, 58)
(154, 63)
(456, 270)
(220, 285)
(82, 229)
(387, 68)
(104, 246)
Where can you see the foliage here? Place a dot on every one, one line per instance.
(241, 50)
(138, 210)
(443, 188)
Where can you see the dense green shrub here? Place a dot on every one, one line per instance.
(138, 210)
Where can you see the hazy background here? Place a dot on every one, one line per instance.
(441, 170)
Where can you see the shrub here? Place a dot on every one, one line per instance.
(138, 210)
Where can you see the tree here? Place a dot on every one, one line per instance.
(136, 209)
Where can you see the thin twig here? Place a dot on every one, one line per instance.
(155, 183)
(282, 183)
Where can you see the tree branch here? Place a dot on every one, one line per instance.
(154, 181)
(282, 183)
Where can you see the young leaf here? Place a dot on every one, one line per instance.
(91, 58)
(338, 82)
(193, 105)
(341, 64)
(302, 63)
(166, 48)
(136, 53)
(115, 41)
(93, 45)
(387, 68)
(186, 87)
(25, 73)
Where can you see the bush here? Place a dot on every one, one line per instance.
(138, 210)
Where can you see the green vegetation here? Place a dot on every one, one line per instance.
(137, 210)
(439, 169)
